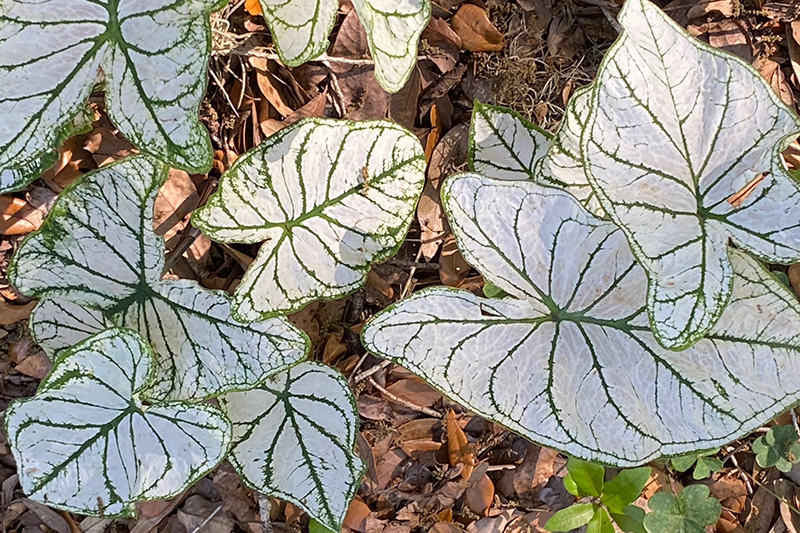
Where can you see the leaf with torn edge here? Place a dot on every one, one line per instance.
(97, 249)
(86, 443)
(570, 361)
(327, 198)
(293, 438)
(676, 145)
(152, 56)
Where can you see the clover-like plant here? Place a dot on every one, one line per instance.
(327, 198)
(300, 29)
(778, 448)
(704, 463)
(98, 249)
(569, 360)
(87, 442)
(153, 58)
(613, 499)
(682, 146)
(689, 512)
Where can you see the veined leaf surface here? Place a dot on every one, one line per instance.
(293, 439)
(97, 248)
(572, 362)
(300, 28)
(57, 325)
(327, 198)
(86, 442)
(504, 145)
(393, 29)
(676, 139)
(154, 58)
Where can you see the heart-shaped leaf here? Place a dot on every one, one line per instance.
(301, 27)
(86, 442)
(778, 448)
(97, 248)
(153, 57)
(676, 144)
(572, 362)
(328, 198)
(293, 439)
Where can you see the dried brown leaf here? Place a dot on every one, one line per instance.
(480, 496)
(11, 313)
(477, 33)
(535, 470)
(36, 366)
(414, 391)
(454, 267)
(458, 450)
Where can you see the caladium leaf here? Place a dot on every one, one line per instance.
(676, 142)
(572, 362)
(57, 325)
(86, 442)
(328, 198)
(293, 439)
(393, 30)
(154, 58)
(97, 248)
(300, 28)
(504, 145)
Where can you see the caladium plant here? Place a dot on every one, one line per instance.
(153, 58)
(327, 198)
(88, 443)
(300, 29)
(98, 249)
(569, 359)
(682, 146)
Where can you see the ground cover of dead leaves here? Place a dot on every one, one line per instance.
(431, 465)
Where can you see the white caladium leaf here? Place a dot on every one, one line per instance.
(87, 443)
(570, 361)
(97, 248)
(393, 30)
(154, 56)
(57, 325)
(504, 145)
(300, 28)
(327, 198)
(677, 137)
(293, 438)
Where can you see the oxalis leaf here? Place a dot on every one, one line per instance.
(154, 57)
(97, 249)
(572, 362)
(293, 439)
(504, 145)
(301, 27)
(678, 137)
(328, 198)
(86, 442)
(688, 513)
(778, 448)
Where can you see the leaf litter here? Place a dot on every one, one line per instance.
(431, 466)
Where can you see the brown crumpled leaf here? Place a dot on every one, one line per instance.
(269, 86)
(535, 470)
(762, 506)
(458, 450)
(176, 199)
(723, 7)
(793, 43)
(36, 366)
(11, 313)
(454, 267)
(414, 391)
(403, 106)
(49, 517)
(477, 33)
(236, 497)
(726, 35)
(443, 527)
(480, 496)
(771, 70)
(106, 147)
(564, 39)
(19, 216)
(787, 492)
(356, 517)
(444, 44)
(196, 510)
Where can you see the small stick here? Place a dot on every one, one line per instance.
(404, 403)
(264, 508)
(367, 373)
(411, 273)
(207, 520)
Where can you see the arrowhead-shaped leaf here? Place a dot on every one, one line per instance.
(572, 362)
(328, 198)
(86, 442)
(154, 58)
(676, 140)
(293, 439)
(97, 248)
